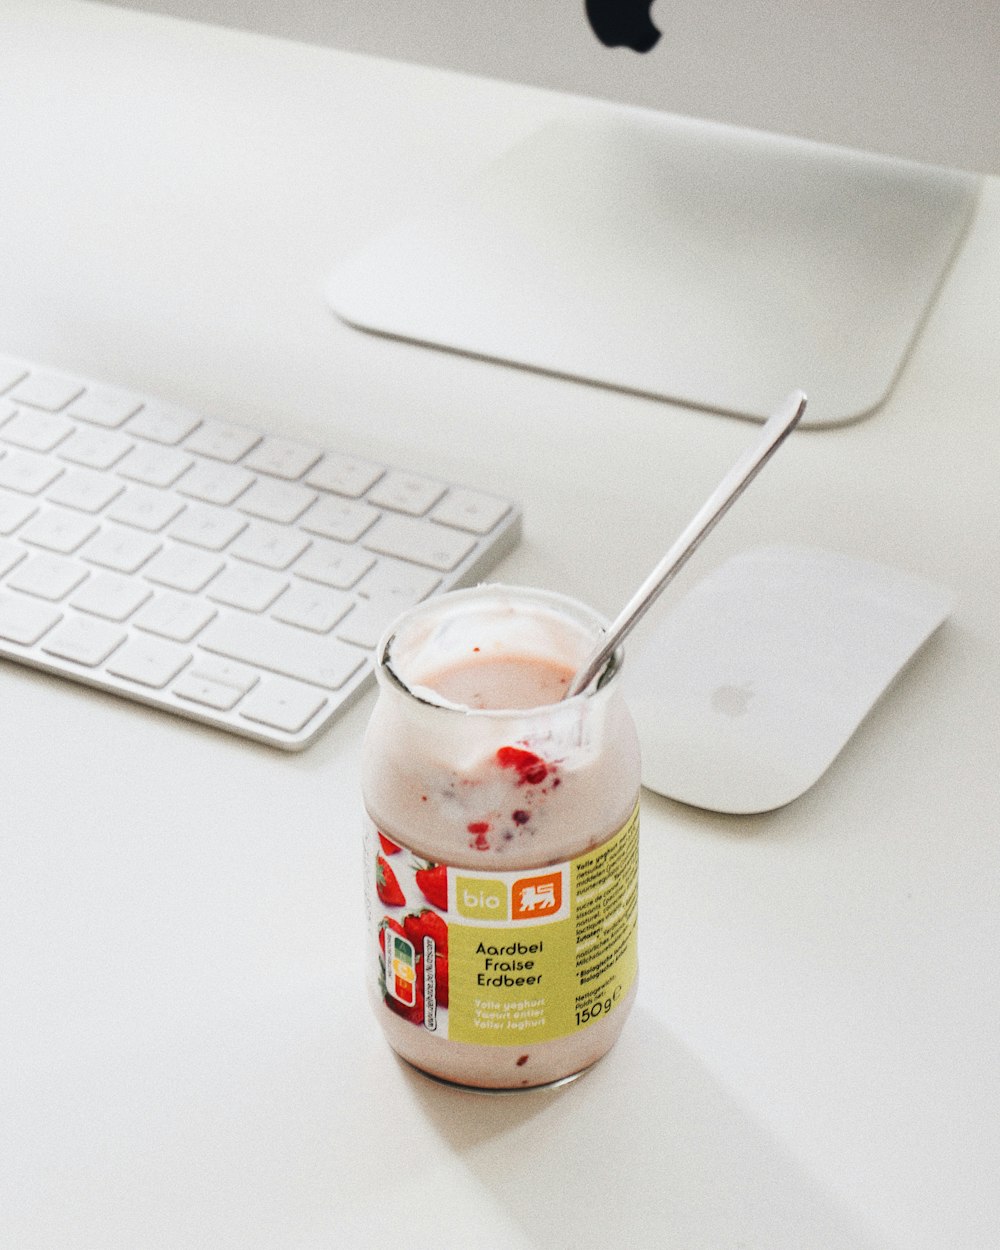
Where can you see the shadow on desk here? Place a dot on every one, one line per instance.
(645, 1150)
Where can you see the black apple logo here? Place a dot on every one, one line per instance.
(623, 23)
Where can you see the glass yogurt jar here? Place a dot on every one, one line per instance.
(501, 841)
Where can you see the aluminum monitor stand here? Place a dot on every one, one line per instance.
(699, 263)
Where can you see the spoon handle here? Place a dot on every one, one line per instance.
(776, 429)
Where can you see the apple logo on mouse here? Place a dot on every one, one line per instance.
(623, 23)
(732, 700)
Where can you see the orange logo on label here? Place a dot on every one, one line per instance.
(536, 896)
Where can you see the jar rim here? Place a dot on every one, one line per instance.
(578, 611)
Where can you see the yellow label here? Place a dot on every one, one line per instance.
(527, 955)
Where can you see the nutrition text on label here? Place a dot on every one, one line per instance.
(606, 893)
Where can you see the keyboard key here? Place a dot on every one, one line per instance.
(148, 661)
(221, 484)
(49, 391)
(180, 568)
(177, 617)
(14, 511)
(27, 473)
(225, 672)
(84, 490)
(240, 586)
(211, 694)
(124, 550)
(272, 546)
(144, 508)
(344, 475)
(342, 519)
(11, 371)
(162, 423)
(283, 705)
(83, 640)
(221, 441)
(276, 501)
(10, 554)
(25, 621)
(215, 682)
(57, 530)
(333, 564)
(207, 527)
(95, 449)
(423, 542)
(312, 607)
(155, 466)
(36, 431)
(104, 405)
(365, 624)
(470, 510)
(405, 492)
(47, 577)
(398, 583)
(110, 596)
(282, 457)
(269, 644)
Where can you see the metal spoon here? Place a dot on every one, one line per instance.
(776, 429)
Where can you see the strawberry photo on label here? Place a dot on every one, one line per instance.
(387, 885)
(432, 882)
(441, 979)
(388, 923)
(387, 844)
(427, 923)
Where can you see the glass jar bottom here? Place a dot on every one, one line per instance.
(501, 1090)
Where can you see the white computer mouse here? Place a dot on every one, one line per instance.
(748, 688)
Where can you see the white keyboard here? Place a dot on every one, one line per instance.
(207, 569)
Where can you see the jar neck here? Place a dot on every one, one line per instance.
(492, 634)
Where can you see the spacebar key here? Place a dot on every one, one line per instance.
(282, 649)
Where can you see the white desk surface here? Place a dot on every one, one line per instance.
(187, 1058)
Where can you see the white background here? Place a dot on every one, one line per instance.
(187, 1057)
